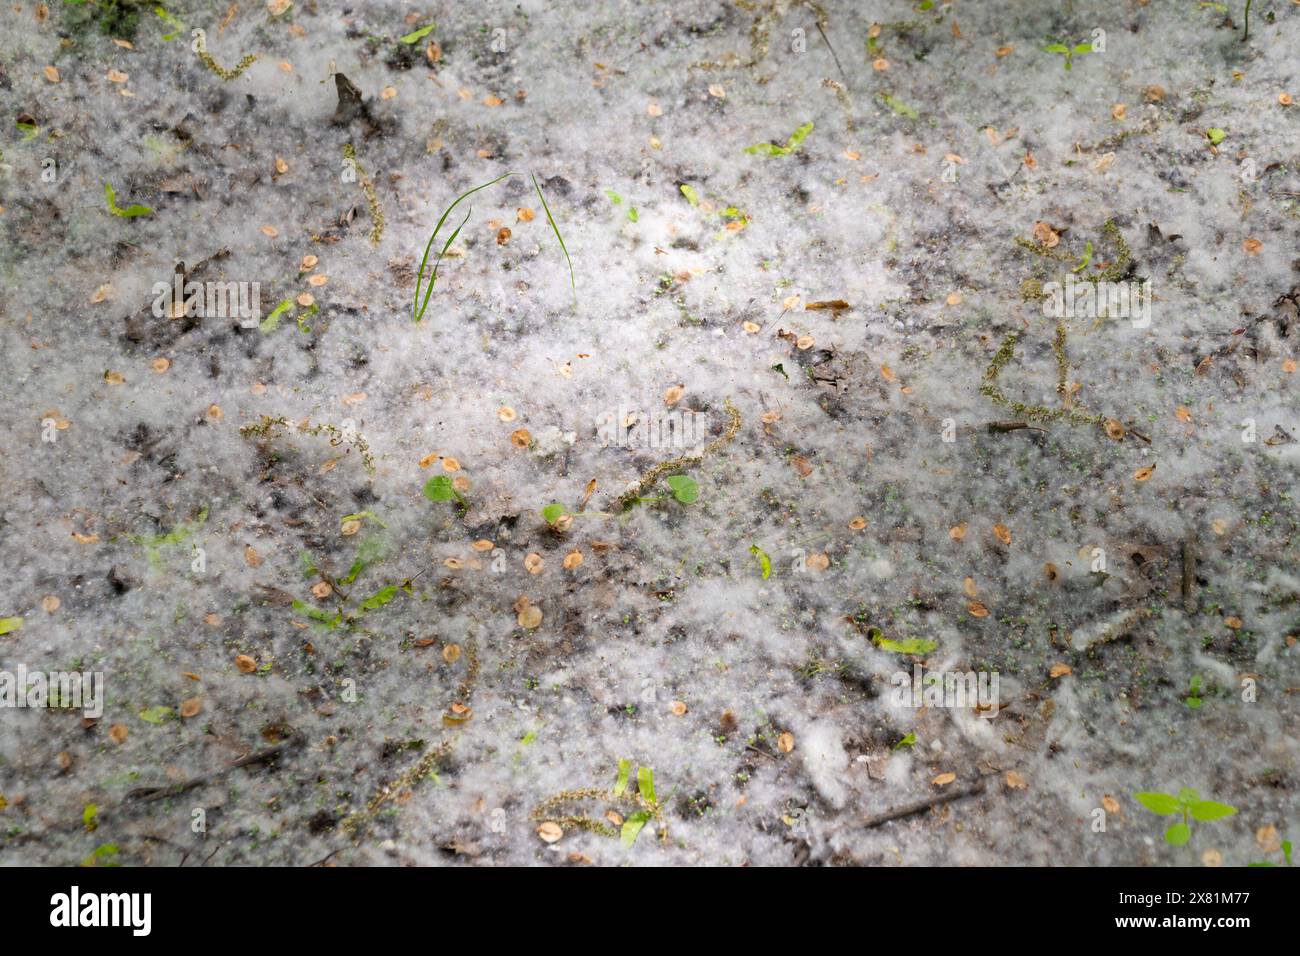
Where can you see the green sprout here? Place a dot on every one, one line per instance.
(127, 213)
(764, 562)
(772, 149)
(440, 488)
(908, 741)
(553, 513)
(1215, 135)
(417, 35)
(1286, 854)
(1244, 37)
(1190, 805)
(417, 307)
(1193, 699)
(684, 488)
(691, 195)
(1069, 52)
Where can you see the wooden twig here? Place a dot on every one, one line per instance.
(920, 806)
(1000, 427)
(150, 794)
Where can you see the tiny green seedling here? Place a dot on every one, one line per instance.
(764, 562)
(553, 513)
(1190, 805)
(772, 149)
(417, 35)
(1069, 52)
(691, 195)
(417, 307)
(1286, 855)
(129, 212)
(634, 823)
(440, 488)
(1215, 135)
(908, 741)
(684, 488)
(1193, 699)
(1087, 257)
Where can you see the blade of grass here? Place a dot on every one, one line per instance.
(551, 219)
(417, 309)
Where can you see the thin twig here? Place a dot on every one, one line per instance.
(908, 809)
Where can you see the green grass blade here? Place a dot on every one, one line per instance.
(551, 219)
(417, 309)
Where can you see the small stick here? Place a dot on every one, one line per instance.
(997, 427)
(908, 809)
(1189, 575)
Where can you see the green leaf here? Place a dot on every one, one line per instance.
(801, 134)
(155, 715)
(1207, 810)
(1083, 48)
(316, 614)
(418, 35)
(129, 211)
(272, 321)
(632, 214)
(553, 512)
(89, 817)
(910, 645)
(573, 282)
(765, 149)
(898, 106)
(614, 197)
(645, 783)
(439, 488)
(10, 624)
(1178, 834)
(907, 741)
(1056, 48)
(633, 825)
(1215, 135)
(1194, 703)
(1161, 803)
(691, 195)
(624, 769)
(779, 367)
(1186, 795)
(1087, 257)
(418, 307)
(684, 488)
(764, 562)
(379, 598)
(1286, 851)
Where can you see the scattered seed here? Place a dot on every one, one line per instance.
(1015, 781)
(858, 523)
(533, 563)
(191, 707)
(1118, 111)
(804, 343)
(968, 587)
(817, 562)
(1143, 473)
(50, 603)
(550, 831)
(678, 708)
(350, 528)
(524, 214)
(673, 394)
(958, 531)
(654, 110)
(245, 664)
(1252, 246)
(944, 779)
(160, 364)
(451, 653)
(1233, 622)
(977, 609)
(1284, 99)
(52, 74)
(322, 590)
(118, 733)
(521, 438)
(750, 327)
(530, 617)
(785, 743)
(1114, 429)
(572, 560)
(251, 557)
(450, 464)
(1003, 533)
(1060, 670)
